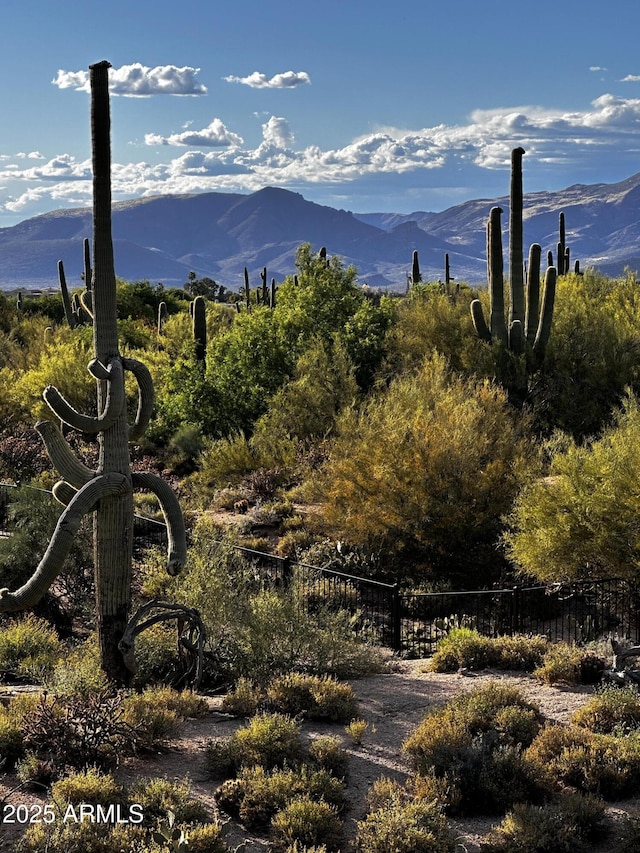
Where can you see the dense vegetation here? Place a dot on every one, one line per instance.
(389, 415)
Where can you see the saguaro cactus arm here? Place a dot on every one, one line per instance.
(146, 396)
(113, 406)
(177, 548)
(546, 312)
(51, 564)
(66, 301)
(63, 458)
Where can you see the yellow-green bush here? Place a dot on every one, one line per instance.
(268, 741)
(401, 827)
(321, 698)
(308, 822)
(431, 445)
(570, 825)
(612, 709)
(88, 786)
(29, 646)
(466, 648)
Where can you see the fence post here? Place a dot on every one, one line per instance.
(396, 621)
(287, 571)
(515, 610)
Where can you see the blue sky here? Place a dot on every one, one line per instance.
(360, 105)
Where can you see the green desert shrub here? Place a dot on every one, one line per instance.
(322, 698)
(256, 633)
(155, 714)
(476, 742)
(466, 648)
(400, 827)
(267, 740)
(78, 673)
(430, 445)
(30, 647)
(570, 825)
(601, 764)
(208, 838)
(34, 772)
(584, 512)
(156, 655)
(258, 795)
(328, 753)
(243, 700)
(159, 797)
(561, 664)
(85, 837)
(309, 822)
(612, 709)
(461, 647)
(88, 786)
(11, 740)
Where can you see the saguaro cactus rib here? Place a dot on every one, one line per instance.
(146, 396)
(86, 423)
(177, 548)
(67, 527)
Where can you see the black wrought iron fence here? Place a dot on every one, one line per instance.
(412, 623)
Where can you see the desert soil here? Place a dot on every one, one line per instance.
(393, 704)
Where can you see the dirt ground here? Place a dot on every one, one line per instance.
(392, 703)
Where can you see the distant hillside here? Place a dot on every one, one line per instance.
(218, 234)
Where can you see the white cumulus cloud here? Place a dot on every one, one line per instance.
(214, 135)
(258, 80)
(138, 81)
(217, 159)
(277, 132)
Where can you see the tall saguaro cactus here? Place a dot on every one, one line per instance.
(107, 491)
(528, 320)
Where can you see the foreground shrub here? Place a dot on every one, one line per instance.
(159, 797)
(327, 753)
(320, 698)
(472, 750)
(612, 709)
(256, 796)
(567, 826)
(268, 740)
(417, 827)
(307, 822)
(601, 764)
(85, 837)
(88, 786)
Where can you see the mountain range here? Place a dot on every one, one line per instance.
(162, 238)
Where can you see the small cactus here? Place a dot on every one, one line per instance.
(162, 316)
(415, 269)
(199, 315)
